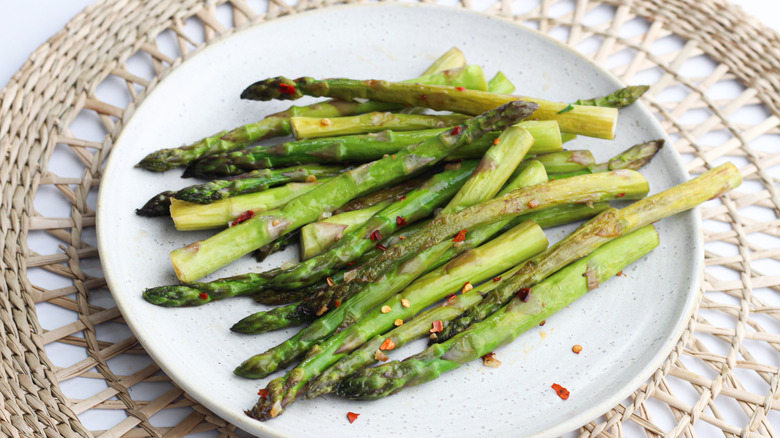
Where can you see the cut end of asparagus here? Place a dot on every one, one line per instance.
(280, 88)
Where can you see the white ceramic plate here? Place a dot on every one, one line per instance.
(626, 327)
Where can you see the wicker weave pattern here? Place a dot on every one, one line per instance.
(728, 354)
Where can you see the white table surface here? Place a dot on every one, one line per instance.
(20, 35)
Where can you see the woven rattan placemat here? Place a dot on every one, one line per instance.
(722, 378)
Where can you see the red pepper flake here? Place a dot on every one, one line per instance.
(621, 195)
(561, 391)
(456, 130)
(401, 237)
(400, 221)
(523, 294)
(533, 203)
(329, 281)
(286, 89)
(497, 279)
(541, 324)
(337, 303)
(423, 97)
(387, 345)
(245, 216)
(352, 263)
(263, 393)
(376, 235)
(460, 88)
(381, 247)
(576, 349)
(203, 296)
(405, 302)
(466, 287)
(497, 141)
(460, 237)
(621, 274)
(401, 198)
(489, 360)
(437, 326)
(351, 416)
(450, 297)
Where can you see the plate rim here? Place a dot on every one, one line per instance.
(693, 294)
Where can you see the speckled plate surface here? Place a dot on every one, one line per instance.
(626, 327)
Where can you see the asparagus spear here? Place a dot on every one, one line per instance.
(524, 312)
(318, 237)
(323, 298)
(204, 257)
(315, 127)
(619, 99)
(189, 216)
(626, 184)
(608, 225)
(634, 158)
(597, 122)
(254, 181)
(260, 365)
(357, 148)
(418, 204)
(494, 169)
(475, 266)
(277, 125)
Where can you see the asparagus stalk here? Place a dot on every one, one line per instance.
(275, 319)
(524, 312)
(324, 298)
(260, 365)
(418, 204)
(601, 229)
(254, 181)
(357, 148)
(494, 169)
(619, 99)
(315, 127)
(188, 216)
(626, 184)
(634, 158)
(317, 237)
(278, 125)
(592, 121)
(475, 266)
(204, 257)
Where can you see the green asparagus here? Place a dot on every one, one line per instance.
(592, 121)
(619, 99)
(357, 148)
(473, 266)
(204, 257)
(315, 127)
(525, 311)
(277, 125)
(601, 229)
(189, 216)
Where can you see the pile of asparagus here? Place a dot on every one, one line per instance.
(398, 210)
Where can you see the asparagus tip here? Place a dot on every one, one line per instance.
(280, 88)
